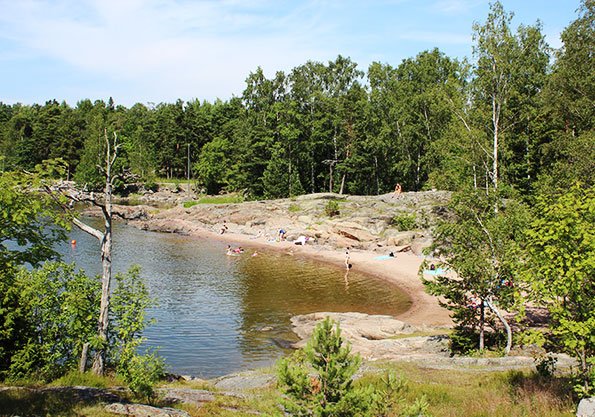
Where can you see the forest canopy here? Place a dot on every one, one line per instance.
(518, 114)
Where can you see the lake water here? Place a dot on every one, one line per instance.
(219, 314)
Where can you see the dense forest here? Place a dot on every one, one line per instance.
(519, 116)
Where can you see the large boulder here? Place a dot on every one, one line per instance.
(353, 231)
(586, 408)
(396, 238)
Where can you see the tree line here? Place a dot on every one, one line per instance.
(520, 115)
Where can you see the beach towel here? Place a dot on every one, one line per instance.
(437, 271)
(384, 257)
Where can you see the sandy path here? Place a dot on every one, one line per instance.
(402, 271)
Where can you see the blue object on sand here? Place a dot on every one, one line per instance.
(437, 271)
(384, 257)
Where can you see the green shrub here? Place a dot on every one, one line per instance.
(130, 300)
(318, 381)
(141, 374)
(404, 221)
(332, 208)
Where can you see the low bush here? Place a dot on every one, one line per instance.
(404, 221)
(332, 208)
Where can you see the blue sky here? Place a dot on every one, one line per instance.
(152, 51)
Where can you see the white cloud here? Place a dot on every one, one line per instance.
(167, 46)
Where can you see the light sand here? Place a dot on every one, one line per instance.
(402, 270)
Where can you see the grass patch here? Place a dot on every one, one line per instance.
(87, 379)
(188, 204)
(449, 393)
(215, 199)
(49, 403)
(294, 208)
(453, 393)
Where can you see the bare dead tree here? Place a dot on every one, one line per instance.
(105, 238)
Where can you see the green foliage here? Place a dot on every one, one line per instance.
(404, 221)
(129, 303)
(331, 209)
(481, 249)
(142, 373)
(29, 223)
(545, 365)
(319, 380)
(562, 257)
(52, 318)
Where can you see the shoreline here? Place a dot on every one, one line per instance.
(401, 271)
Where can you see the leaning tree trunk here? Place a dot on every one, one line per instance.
(505, 324)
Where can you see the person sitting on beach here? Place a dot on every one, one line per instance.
(229, 250)
(239, 249)
(223, 228)
(301, 240)
(282, 234)
(398, 189)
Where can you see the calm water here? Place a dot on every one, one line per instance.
(219, 314)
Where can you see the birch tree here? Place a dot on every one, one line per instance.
(480, 249)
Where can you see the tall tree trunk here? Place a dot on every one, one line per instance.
(496, 126)
(83, 360)
(342, 184)
(482, 317)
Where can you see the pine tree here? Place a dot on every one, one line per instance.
(318, 381)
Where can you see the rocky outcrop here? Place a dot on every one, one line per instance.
(363, 222)
(377, 337)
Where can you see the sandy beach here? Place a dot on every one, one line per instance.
(401, 270)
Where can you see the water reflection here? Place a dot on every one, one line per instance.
(219, 314)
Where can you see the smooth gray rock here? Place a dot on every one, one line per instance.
(586, 408)
(186, 395)
(244, 381)
(141, 410)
